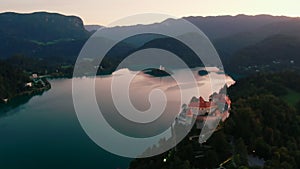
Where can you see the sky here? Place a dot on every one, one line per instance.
(104, 12)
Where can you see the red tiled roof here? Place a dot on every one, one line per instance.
(203, 103)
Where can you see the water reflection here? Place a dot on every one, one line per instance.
(15, 104)
(141, 87)
(48, 123)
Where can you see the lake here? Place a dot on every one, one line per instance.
(45, 132)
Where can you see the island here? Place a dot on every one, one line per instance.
(202, 72)
(161, 72)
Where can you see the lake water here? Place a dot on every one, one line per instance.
(45, 132)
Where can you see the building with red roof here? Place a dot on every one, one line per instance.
(216, 108)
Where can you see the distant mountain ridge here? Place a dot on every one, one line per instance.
(51, 35)
(41, 34)
(276, 52)
(42, 26)
(216, 27)
(92, 28)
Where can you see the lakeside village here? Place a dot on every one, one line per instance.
(206, 112)
(35, 85)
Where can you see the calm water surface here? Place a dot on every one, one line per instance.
(45, 132)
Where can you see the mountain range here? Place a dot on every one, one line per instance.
(242, 41)
(41, 34)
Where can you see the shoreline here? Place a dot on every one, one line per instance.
(32, 92)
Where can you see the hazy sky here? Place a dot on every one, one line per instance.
(104, 12)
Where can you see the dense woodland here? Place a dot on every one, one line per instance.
(12, 80)
(264, 123)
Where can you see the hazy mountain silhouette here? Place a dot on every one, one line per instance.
(252, 39)
(40, 34)
(92, 28)
(275, 52)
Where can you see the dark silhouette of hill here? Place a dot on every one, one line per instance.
(240, 40)
(41, 26)
(276, 52)
(176, 47)
(227, 46)
(41, 34)
(11, 81)
(92, 28)
(216, 27)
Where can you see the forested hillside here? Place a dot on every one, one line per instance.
(12, 81)
(246, 44)
(41, 35)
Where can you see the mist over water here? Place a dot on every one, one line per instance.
(45, 132)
